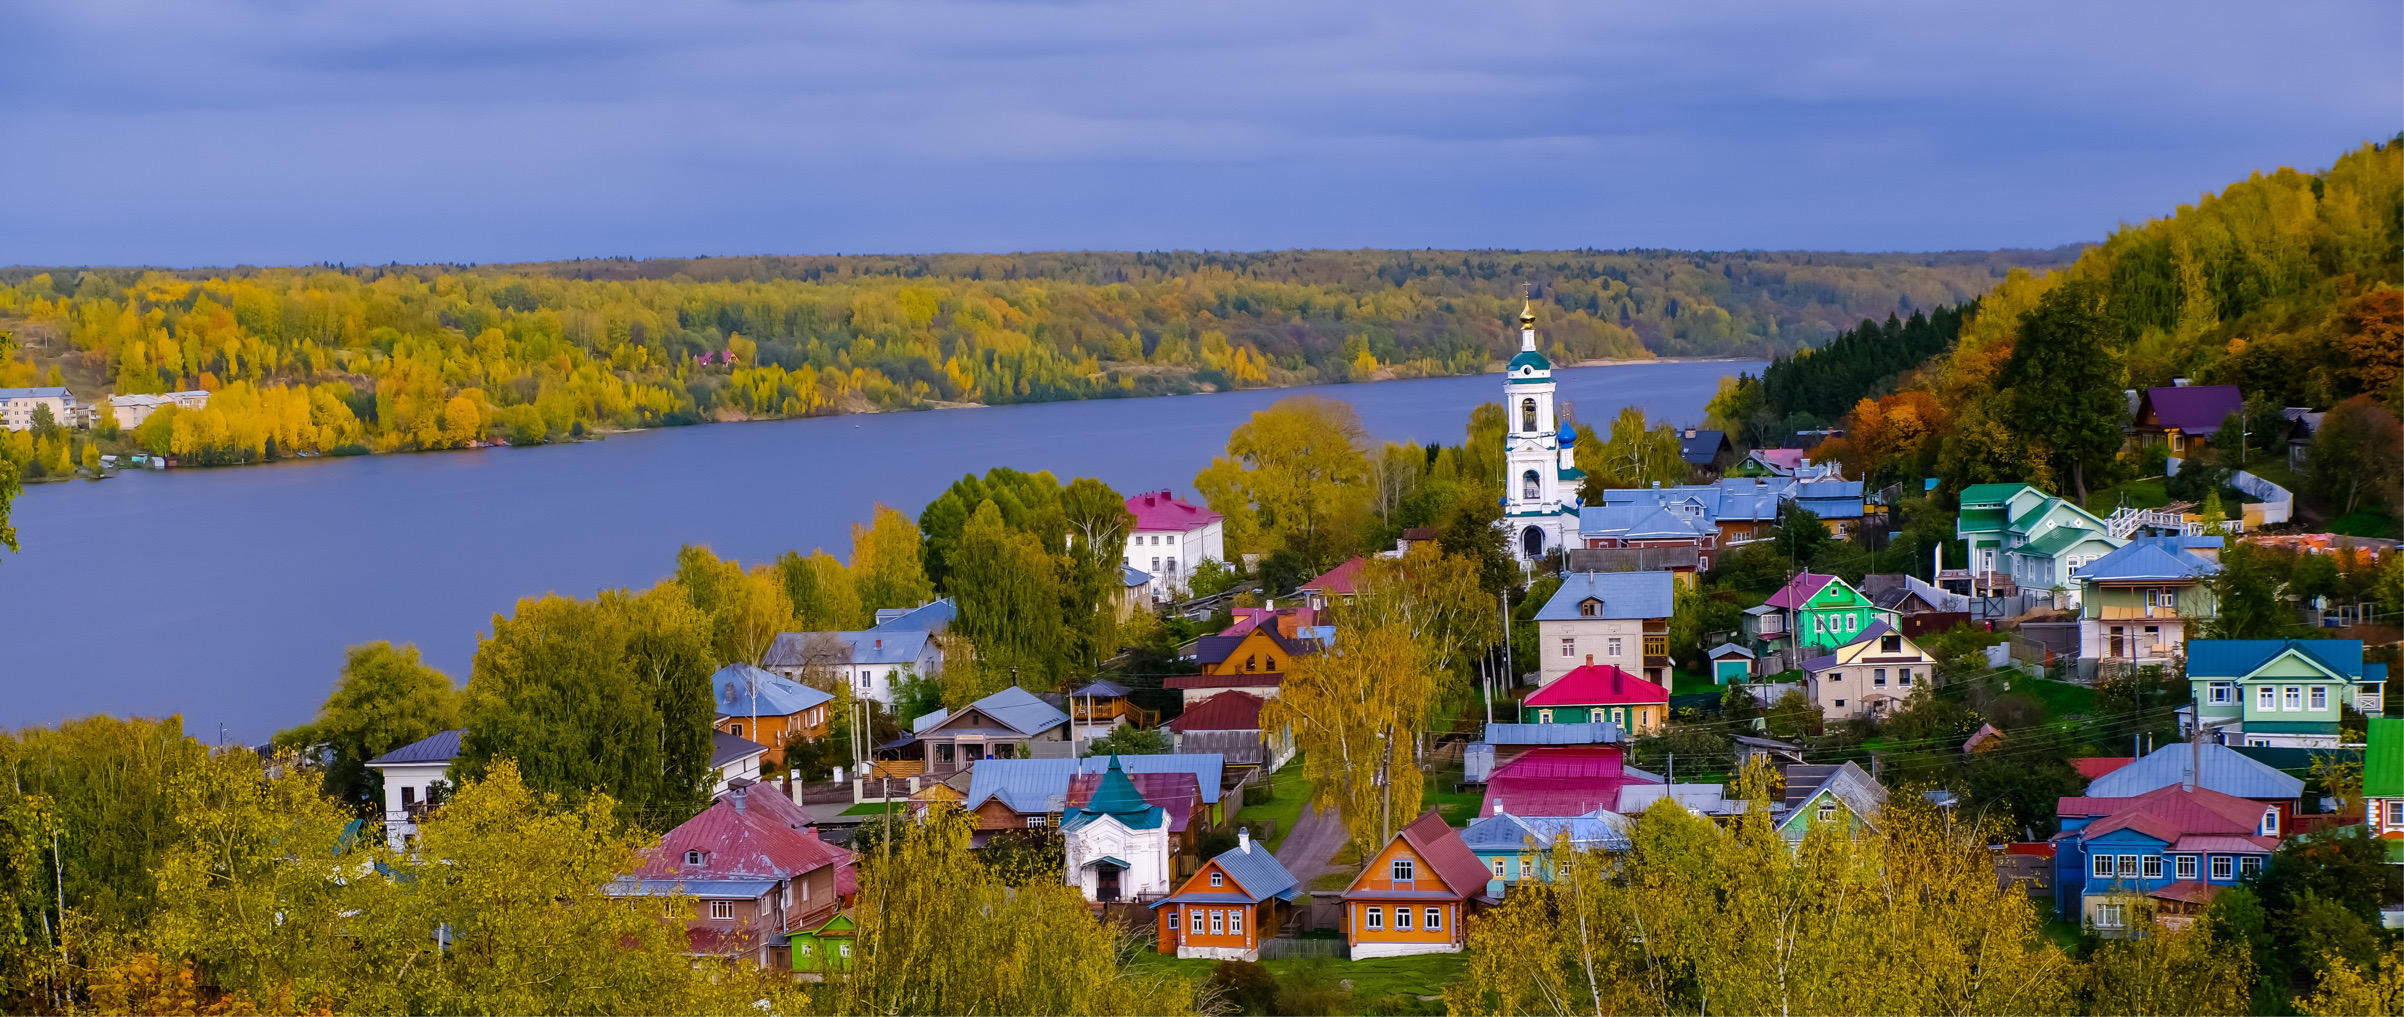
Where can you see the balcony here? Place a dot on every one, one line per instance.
(2110, 612)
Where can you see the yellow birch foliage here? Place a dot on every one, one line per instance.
(1296, 475)
(2346, 990)
(1353, 708)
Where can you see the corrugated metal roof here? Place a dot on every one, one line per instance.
(1020, 709)
(1596, 685)
(1989, 494)
(1553, 734)
(2151, 558)
(1798, 591)
(1607, 831)
(2063, 538)
(726, 748)
(932, 617)
(744, 690)
(869, 646)
(1041, 785)
(737, 888)
(1623, 595)
(1258, 872)
(2236, 658)
(2224, 770)
(1227, 711)
(440, 748)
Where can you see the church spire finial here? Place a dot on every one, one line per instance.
(1527, 318)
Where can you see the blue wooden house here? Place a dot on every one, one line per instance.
(2165, 853)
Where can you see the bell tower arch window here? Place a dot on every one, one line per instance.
(1527, 414)
(1531, 540)
(1529, 486)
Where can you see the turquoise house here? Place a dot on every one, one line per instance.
(2286, 693)
(2022, 537)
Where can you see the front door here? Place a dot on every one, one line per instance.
(1106, 883)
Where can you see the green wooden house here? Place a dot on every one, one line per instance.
(825, 948)
(2021, 537)
(2280, 692)
(1820, 613)
(1843, 795)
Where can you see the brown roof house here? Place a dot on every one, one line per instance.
(756, 876)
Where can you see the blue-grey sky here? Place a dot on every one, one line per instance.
(205, 132)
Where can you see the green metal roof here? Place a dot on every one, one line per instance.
(1980, 520)
(2383, 760)
(2030, 517)
(2063, 538)
(1529, 358)
(1982, 493)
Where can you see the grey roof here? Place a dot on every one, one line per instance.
(1598, 831)
(871, 646)
(1041, 785)
(1552, 734)
(1700, 799)
(1259, 872)
(1848, 783)
(2151, 558)
(441, 748)
(744, 690)
(1642, 522)
(1700, 447)
(1623, 595)
(726, 748)
(1020, 709)
(934, 617)
(2225, 770)
(52, 391)
(1725, 648)
(738, 888)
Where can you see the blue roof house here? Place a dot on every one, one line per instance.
(1616, 618)
(2139, 604)
(2285, 693)
(1515, 848)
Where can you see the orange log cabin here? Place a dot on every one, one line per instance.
(1413, 895)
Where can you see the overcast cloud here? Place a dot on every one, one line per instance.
(187, 132)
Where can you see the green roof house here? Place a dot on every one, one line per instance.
(2281, 693)
(2023, 538)
(2383, 784)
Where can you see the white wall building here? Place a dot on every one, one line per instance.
(1117, 845)
(409, 774)
(17, 406)
(132, 410)
(1170, 538)
(1540, 491)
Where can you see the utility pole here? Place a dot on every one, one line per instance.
(1385, 791)
(1510, 667)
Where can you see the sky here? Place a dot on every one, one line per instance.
(219, 132)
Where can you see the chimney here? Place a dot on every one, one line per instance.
(1616, 675)
(1498, 808)
(739, 792)
(1243, 839)
(880, 644)
(2195, 769)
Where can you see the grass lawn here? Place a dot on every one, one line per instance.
(1423, 975)
(2147, 493)
(2061, 699)
(1293, 792)
(1684, 684)
(1459, 807)
(875, 808)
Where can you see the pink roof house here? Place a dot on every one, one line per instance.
(1171, 538)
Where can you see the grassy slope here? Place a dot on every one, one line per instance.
(1424, 975)
(1293, 792)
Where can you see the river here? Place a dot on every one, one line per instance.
(228, 595)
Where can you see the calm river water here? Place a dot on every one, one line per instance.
(229, 595)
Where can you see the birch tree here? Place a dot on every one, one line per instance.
(1356, 710)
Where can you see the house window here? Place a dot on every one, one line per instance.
(692, 858)
(2151, 866)
(1544, 716)
(1611, 646)
(2320, 697)
(1498, 866)
(1890, 644)
(2221, 867)
(1155, 564)
(408, 796)
(1402, 870)
(1827, 812)
(2270, 822)
(1905, 678)
(1377, 919)
(1588, 608)
(1172, 568)
(1270, 662)
(1595, 715)
(2223, 693)
(1878, 677)
(1218, 922)
(2110, 916)
(1194, 920)
(764, 907)
(2295, 698)
(1840, 704)
(738, 731)
(2103, 867)
(866, 678)
(722, 911)
(1218, 879)
(1619, 715)
(1235, 922)
(1252, 663)
(2186, 867)
(2266, 698)
(2249, 866)
(1435, 920)
(1852, 623)
(2128, 866)
(2395, 813)
(1569, 647)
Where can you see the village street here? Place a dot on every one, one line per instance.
(1310, 850)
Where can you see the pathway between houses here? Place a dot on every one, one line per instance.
(1310, 850)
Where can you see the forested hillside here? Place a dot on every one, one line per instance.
(395, 358)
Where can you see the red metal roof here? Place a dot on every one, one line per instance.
(1440, 846)
(1597, 685)
(1160, 510)
(1798, 591)
(1342, 580)
(1176, 793)
(1558, 780)
(2170, 814)
(739, 841)
(2188, 890)
(1227, 711)
(2096, 766)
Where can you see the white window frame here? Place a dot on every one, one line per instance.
(2128, 866)
(722, 911)
(1569, 647)
(2266, 698)
(2222, 693)
(1194, 921)
(2185, 867)
(1218, 922)
(2270, 822)
(2224, 867)
(2395, 812)
(2291, 699)
(2100, 866)
(1377, 919)
(2249, 865)
(1218, 879)
(2110, 916)
(1432, 921)
(1403, 870)
(1611, 646)
(2320, 698)
(1402, 919)
(1498, 868)
(2150, 867)
(1235, 921)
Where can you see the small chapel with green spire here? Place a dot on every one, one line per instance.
(1117, 844)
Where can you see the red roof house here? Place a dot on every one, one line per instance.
(1559, 780)
(1338, 583)
(1160, 510)
(1411, 898)
(2096, 766)
(1598, 693)
(753, 874)
(1797, 592)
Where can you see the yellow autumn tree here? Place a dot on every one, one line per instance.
(1296, 475)
(1356, 710)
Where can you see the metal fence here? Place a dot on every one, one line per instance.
(1282, 948)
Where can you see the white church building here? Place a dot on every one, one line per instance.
(1117, 845)
(1540, 492)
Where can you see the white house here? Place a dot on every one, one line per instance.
(17, 406)
(1117, 844)
(1170, 538)
(873, 660)
(132, 410)
(1617, 618)
(409, 774)
(733, 757)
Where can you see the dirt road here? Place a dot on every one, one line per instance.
(1310, 850)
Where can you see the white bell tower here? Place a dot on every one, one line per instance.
(1540, 496)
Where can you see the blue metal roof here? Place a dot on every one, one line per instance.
(441, 748)
(1129, 575)
(2224, 770)
(744, 690)
(1623, 595)
(2236, 658)
(1258, 872)
(1552, 734)
(738, 888)
(868, 646)
(2153, 558)
(934, 617)
(1020, 709)
(1508, 833)
(1041, 785)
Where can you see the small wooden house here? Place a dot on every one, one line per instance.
(1414, 894)
(1226, 908)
